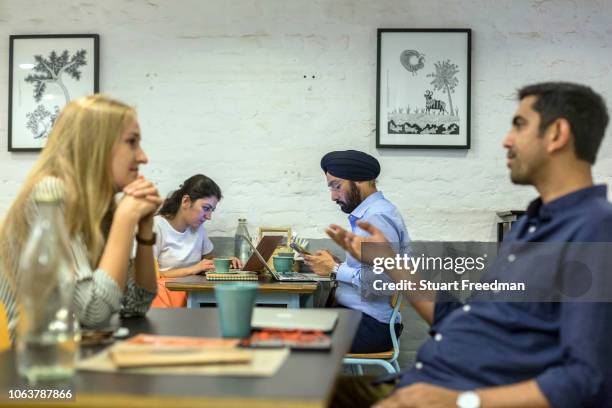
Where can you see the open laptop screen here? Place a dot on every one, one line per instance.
(265, 249)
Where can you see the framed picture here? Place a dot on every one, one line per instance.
(45, 73)
(423, 88)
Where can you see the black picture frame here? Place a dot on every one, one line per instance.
(423, 88)
(45, 72)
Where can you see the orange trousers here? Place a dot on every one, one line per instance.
(168, 298)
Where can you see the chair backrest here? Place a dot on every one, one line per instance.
(396, 302)
(390, 364)
(156, 267)
(5, 340)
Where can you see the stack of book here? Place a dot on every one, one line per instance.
(150, 350)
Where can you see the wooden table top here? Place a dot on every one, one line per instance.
(306, 379)
(266, 284)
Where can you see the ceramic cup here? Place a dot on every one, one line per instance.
(235, 302)
(222, 265)
(282, 264)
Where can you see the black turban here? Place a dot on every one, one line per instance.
(351, 165)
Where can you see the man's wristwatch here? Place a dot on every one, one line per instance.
(334, 272)
(468, 399)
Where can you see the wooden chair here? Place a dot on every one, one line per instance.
(156, 267)
(5, 340)
(386, 359)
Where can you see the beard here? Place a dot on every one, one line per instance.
(353, 199)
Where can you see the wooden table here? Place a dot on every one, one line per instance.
(306, 379)
(270, 292)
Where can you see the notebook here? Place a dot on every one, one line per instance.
(237, 276)
(151, 350)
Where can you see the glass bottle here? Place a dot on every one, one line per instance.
(242, 250)
(47, 334)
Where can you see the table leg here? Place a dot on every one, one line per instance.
(190, 302)
(293, 301)
(307, 300)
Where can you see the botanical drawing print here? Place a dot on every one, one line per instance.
(41, 120)
(52, 71)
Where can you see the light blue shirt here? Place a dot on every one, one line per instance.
(379, 212)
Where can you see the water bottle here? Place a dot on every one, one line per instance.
(242, 249)
(47, 334)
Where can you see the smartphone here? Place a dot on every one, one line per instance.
(299, 249)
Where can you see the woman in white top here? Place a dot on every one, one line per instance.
(183, 247)
(93, 152)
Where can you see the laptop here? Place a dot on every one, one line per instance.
(282, 277)
(265, 249)
(294, 319)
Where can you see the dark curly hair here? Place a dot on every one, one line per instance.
(196, 187)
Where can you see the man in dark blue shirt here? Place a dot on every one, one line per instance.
(518, 354)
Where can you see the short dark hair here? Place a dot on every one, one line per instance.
(196, 187)
(584, 109)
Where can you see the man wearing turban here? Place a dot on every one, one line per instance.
(351, 178)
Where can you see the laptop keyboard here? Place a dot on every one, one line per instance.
(293, 276)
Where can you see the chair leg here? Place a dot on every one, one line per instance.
(359, 369)
(387, 366)
(396, 366)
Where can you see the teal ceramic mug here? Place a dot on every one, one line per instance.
(222, 265)
(282, 264)
(235, 302)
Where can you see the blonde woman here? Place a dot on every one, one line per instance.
(93, 152)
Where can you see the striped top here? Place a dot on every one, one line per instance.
(97, 296)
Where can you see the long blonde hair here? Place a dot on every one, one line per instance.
(79, 152)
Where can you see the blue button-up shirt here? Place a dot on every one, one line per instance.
(566, 346)
(378, 211)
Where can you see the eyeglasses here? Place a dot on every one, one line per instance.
(335, 186)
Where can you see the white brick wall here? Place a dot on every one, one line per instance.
(220, 89)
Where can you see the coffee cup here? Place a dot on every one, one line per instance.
(222, 265)
(282, 264)
(235, 302)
